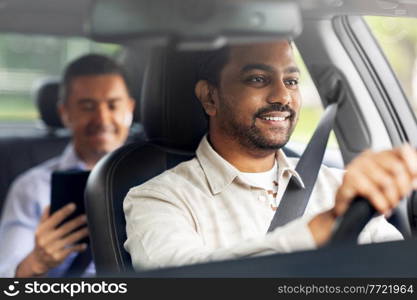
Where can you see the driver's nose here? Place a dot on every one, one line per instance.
(279, 93)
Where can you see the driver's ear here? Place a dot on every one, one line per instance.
(205, 92)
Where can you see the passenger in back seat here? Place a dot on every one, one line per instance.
(96, 105)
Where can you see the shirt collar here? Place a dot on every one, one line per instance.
(70, 160)
(220, 173)
(287, 166)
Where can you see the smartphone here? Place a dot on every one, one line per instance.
(66, 187)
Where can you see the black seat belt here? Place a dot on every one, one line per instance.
(295, 199)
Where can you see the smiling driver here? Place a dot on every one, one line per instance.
(220, 204)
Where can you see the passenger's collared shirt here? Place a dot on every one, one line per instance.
(202, 210)
(27, 199)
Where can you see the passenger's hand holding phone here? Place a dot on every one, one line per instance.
(54, 242)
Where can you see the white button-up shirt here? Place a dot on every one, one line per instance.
(201, 211)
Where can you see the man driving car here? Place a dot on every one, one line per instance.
(96, 106)
(219, 205)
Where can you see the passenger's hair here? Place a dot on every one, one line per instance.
(90, 64)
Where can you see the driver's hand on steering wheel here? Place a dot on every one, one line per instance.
(383, 178)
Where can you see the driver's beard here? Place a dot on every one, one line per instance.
(251, 136)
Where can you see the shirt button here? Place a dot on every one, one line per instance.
(262, 198)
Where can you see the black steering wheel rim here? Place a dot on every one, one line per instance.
(349, 226)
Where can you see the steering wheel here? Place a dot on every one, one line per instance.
(349, 226)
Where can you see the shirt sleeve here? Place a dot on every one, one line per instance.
(20, 218)
(160, 233)
(379, 230)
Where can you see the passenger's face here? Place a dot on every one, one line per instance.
(98, 111)
(258, 95)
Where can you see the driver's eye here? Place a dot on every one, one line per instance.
(292, 83)
(257, 80)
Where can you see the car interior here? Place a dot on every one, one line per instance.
(32, 150)
(157, 41)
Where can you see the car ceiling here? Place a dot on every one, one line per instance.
(68, 17)
(56, 17)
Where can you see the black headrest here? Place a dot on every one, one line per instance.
(46, 99)
(171, 114)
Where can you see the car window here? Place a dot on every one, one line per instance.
(311, 110)
(397, 37)
(24, 61)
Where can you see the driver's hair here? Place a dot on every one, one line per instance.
(212, 62)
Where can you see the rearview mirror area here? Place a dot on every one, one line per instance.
(194, 24)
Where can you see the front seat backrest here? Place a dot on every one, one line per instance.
(131, 165)
(107, 186)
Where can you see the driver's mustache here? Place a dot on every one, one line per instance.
(274, 107)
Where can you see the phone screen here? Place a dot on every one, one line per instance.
(68, 186)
